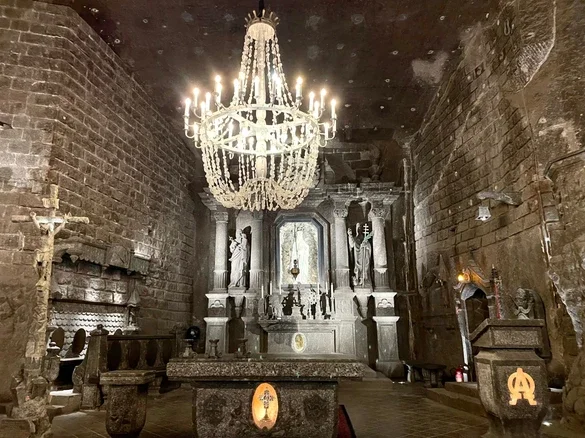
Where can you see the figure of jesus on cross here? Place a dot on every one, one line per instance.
(49, 226)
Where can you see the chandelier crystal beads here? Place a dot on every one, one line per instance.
(259, 152)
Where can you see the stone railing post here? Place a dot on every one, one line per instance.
(94, 364)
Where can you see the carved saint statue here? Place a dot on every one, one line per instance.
(362, 254)
(240, 250)
(524, 303)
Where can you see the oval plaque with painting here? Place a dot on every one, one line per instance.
(299, 342)
(265, 406)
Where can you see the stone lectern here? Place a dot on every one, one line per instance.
(513, 385)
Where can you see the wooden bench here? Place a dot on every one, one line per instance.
(430, 373)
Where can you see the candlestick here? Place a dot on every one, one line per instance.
(333, 114)
(311, 100)
(316, 111)
(187, 106)
(326, 125)
(323, 93)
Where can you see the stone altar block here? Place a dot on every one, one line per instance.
(513, 385)
(265, 397)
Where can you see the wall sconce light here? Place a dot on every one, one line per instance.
(463, 276)
(483, 214)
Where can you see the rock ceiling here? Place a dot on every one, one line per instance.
(381, 58)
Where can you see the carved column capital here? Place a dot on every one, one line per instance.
(220, 216)
(378, 210)
(340, 210)
(257, 215)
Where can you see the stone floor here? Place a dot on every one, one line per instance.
(377, 408)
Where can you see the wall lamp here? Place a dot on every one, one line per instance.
(510, 198)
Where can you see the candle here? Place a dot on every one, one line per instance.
(262, 292)
(202, 108)
(236, 89)
(323, 93)
(208, 101)
(333, 115)
(187, 106)
(311, 99)
(195, 97)
(299, 93)
(218, 94)
(270, 288)
(331, 288)
(316, 111)
(326, 125)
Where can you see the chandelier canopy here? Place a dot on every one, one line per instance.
(259, 152)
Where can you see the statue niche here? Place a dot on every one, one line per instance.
(240, 260)
(361, 247)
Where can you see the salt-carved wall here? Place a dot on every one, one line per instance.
(512, 105)
(80, 121)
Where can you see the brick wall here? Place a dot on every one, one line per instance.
(81, 122)
(478, 135)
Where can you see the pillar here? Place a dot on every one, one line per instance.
(256, 256)
(378, 217)
(217, 309)
(341, 247)
(220, 273)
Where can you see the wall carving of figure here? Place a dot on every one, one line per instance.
(240, 259)
(362, 254)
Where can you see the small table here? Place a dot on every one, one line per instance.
(289, 396)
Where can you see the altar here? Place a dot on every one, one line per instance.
(278, 395)
(313, 280)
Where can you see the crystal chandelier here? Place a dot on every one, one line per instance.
(259, 152)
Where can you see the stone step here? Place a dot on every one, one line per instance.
(465, 388)
(370, 373)
(456, 400)
(64, 402)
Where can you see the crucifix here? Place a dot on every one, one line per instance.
(49, 226)
(266, 398)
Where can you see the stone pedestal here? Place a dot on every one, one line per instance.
(237, 296)
(252, 332)
(216, 328)
(388, 359)
(296, 397)
(126, 403)
(513, 385)
(362, 295)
